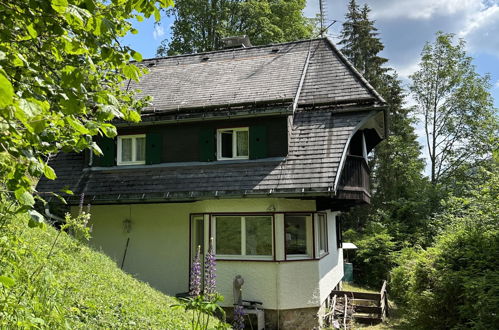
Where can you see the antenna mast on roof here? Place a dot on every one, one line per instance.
(322, 15)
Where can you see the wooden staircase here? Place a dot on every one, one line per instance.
(365, 308)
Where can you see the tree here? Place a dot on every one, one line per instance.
(454, 284)
(62, 79)
(398, 200)
(361, 45)
(200, 25)
(456, 107)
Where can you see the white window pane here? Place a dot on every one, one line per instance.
(140, 149)
(296, 234)
(126, 150)
(226, 144)
(228, 235)
(242, 143)
(259, 236)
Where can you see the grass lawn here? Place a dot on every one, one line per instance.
(75, 288)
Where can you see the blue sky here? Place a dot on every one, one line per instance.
(404, 27)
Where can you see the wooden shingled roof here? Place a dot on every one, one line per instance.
(263, 74)
(317, 139)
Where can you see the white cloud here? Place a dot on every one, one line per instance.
(482, 31)
(158, 32)
(496, 85)
(421, 9)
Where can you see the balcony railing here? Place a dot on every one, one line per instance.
(355, 179)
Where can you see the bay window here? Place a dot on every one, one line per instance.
(298, 236)
(244, 236)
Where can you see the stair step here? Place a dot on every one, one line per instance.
(367, 320)
(367, 309)
(364, 302)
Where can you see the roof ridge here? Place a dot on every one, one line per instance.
(232, 49)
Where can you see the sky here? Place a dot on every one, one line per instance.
(404, 27)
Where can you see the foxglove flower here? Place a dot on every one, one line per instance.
(195, 280)
(210, 272)
(238, 323)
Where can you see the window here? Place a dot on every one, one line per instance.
(247, 236)
(131, 149)
(322, 233)
(233, 143)
(297, 236)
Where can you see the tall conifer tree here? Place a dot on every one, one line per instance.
(396, 164)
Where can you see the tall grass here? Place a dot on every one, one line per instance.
(48, 279)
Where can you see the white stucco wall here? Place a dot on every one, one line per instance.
(330, 266)
(158, 251)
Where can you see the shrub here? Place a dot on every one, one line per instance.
(455, 283)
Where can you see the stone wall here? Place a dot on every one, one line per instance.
(295, 319)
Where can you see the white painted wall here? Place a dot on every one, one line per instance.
(331, 266)
(158, 251)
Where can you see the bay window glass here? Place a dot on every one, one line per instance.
(322, 233)
(298, 240)
(244, 236)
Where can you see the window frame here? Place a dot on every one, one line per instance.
(234, 142)
(243, 256)
(322, 234)
(134, 138)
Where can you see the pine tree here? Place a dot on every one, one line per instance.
(397, 166)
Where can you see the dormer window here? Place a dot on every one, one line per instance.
(232, 143)
(131, 149)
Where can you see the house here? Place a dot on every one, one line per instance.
(259, 148)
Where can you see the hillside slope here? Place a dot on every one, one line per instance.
(76, 287)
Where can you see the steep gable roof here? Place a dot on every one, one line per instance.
(263, 74)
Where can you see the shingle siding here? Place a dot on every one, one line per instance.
(316, 143)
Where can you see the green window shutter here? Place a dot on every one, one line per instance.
(207, 145)
(154, 148)
(108, 147)
(258, 142)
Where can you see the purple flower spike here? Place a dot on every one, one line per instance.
(238, 323)
(195, 280)
(210, 272)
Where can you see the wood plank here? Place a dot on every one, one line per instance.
(357, 295)
(367, 309)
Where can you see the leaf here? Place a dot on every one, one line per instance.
(59, 6)
(6, 91)
(131, 72)
(49, 172)
(36, 219)
(7, 281)
(32, 107)
(32, 32)
(109, 130)
(136, 56)
(132, 116)
(75, 123)
(24, 197)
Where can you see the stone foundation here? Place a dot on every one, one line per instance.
(295, 319)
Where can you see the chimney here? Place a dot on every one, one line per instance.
(236, 42)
